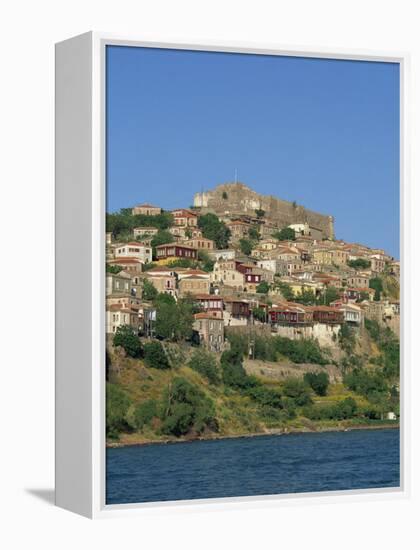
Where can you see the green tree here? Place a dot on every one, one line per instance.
(113, 269)
(155, 356)
(214, 229)
(286, 290)
(298, 391)
(260, 314)
(306, 296)
(359, 263)
(117, 406)
(377, 285)
(174, 320)
(319, 382)
(330, 294)
(127, 338)
(263, 287)
(207, 263)
(149, 292)
(205, 363)
(285, 234)
(145, 412)
(233, 372)
(260, 213)
(186, 408)
(253, 233)
(246, 246)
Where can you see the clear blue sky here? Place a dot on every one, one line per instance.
(323, 133)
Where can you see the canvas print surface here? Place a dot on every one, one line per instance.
(252, 275)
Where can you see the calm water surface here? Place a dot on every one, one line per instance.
(254, 466)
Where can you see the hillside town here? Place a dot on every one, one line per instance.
(242, 263)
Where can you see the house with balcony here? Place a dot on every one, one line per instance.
(166, 253)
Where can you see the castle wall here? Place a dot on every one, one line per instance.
(241, 200)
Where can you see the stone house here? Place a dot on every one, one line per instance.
(194, 284)
(134, 250)
(238, 230)
(163, 282)
(146, 210)
(145, 232)
(131, 265)
(120, 314)
(118, 283)
(210, 328)
(377, 262)
(357, 281)
(278, 267)
(185, 218)
(200, 243)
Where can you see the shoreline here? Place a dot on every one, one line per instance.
(279, 432)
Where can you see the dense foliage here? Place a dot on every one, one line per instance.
(377, 285)
(117, 406)
(174, 320)
(360, 263)
(122, 223)
(205, 363)
(285, 234)
(149, 291)
(186, 408)
(155, 356)
(263, 287)
(214, 229)
(318, 381)
(127, 338)
(246, 246)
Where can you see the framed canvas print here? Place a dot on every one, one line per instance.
(229, 279)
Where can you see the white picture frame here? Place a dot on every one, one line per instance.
(80, 294)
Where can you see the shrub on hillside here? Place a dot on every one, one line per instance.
(319, 382)
(117, 406)
(205, 363)
(145, 412)
(127, 338)
(298, 391)
(186, 408)
(155, 356)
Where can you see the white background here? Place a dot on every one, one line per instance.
(29, 30)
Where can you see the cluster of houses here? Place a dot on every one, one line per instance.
(230, 294)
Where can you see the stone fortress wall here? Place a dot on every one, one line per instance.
(242, 200)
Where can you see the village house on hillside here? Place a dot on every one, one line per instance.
(307, 286)
(166, 253)
(146, 210)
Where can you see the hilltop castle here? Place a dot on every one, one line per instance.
(237, 199)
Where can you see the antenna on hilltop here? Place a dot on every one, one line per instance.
(236, 175)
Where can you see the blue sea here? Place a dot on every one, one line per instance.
(263, 465)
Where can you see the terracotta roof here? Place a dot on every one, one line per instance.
(208, 315)
(125, 260)
(146, 205)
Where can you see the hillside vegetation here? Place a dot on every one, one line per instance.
(164, 390)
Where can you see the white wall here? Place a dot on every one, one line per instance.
(28, 32)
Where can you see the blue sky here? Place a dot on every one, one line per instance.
(323, 133)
